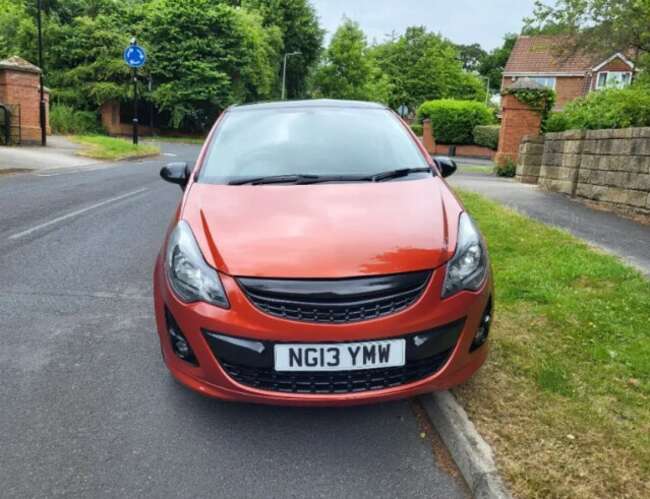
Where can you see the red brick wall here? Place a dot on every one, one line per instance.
(21, 88)
(110, 115)
(517, 121)
(466, 151)
(568, 88)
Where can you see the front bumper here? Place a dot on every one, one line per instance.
(217, 378)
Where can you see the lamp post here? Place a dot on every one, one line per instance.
(40, 64)
(487, 88)
(284, 71)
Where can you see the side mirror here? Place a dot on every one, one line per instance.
(176, 173)
(447, 165)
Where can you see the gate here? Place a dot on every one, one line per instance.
(5, 125)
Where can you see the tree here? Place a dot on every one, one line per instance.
(423, 66)
(471, 56)
(598, 25)
(300, 32)
(494, 62)
(347, 71)
(206, 56)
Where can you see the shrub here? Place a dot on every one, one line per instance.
(453, 121)
(614, 108)
(417, 129)
(66, 120)
(487, 135)
(506, 168)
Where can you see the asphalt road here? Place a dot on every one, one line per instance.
(87, 407)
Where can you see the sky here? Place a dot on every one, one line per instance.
(462, 21)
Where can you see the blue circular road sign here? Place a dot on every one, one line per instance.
(135, 56)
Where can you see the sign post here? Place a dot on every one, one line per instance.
(135, 57)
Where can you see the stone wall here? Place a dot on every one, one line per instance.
(530, 158)
(610, 168)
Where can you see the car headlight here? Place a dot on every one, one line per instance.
(191, 278)
(468, 267)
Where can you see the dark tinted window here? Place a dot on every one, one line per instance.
(309, 140)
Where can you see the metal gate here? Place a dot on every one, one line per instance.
(5, 125)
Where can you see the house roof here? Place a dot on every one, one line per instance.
(543, 55)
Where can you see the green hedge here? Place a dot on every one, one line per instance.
(487, 136)
(66, 120)
(417, 129)
(453, 121)
(614, 108)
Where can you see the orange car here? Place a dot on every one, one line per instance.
(317, 257)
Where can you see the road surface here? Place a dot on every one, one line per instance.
(87, 407)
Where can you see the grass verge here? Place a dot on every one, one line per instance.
(178, 139)
(469, 168)
(111, 148)
(564, 398)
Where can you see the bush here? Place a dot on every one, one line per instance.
(487, 135)
(614, 108)
(506, 168)
(66, 120)
(453, 121)
(417, 129)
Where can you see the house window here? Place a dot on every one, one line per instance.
(613, 79)
(546, 81)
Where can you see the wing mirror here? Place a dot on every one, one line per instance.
(176, 173)
(447, 165)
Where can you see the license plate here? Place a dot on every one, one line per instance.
(339, 356)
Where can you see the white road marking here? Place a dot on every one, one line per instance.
(76, 213)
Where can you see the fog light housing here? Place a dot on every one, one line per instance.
(483, 329)
(180, 346)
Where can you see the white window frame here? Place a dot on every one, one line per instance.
(598, 86)
(538, 77)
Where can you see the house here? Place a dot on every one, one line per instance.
(570, 74)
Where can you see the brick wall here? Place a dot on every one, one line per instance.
(517, 121)
(568, 89)
(19, 87)
(466, 151)
(610, 168)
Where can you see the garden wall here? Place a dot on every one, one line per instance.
(466, 151)
(608, 167)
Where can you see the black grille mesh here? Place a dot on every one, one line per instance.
(335, 382)
(395, 294)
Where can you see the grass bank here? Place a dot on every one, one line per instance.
(111, 148)
(473, 168)
(565, 395)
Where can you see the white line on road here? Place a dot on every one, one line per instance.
(75, 213)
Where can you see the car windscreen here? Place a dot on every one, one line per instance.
(308, 141)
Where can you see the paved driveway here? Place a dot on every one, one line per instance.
(623, 237)
(87, 408)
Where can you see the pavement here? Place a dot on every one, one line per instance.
(58, 154)
(88, 408)
(612, 233)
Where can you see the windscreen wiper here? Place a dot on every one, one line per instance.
(274, 179)
(391, 174)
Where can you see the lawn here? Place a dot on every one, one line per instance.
(181, 139)
(564, 398)
(111, 148)
(472, 168)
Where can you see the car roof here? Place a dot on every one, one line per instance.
(308, 104)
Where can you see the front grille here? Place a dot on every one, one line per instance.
(335, 300)
(335, 382)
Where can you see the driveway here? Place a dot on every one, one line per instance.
(620, 236)
(89, 410)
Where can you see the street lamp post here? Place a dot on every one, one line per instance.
(284, 71)
(40, 64)
(487, 88)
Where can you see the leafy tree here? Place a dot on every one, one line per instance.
(607, 25)
(423, 66)
(471, 56)
(347, 72)
(300, 32)
(206, 56)
(493, 64)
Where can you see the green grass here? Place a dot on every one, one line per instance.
(111, 148)
(179, 139)
(565, 395)
(470, 168)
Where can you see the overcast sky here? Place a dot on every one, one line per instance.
(462, 21)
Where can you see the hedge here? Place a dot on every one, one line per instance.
(614, 108)
(453, 121)
(66, 120)
(487, 135)
(417, 129)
